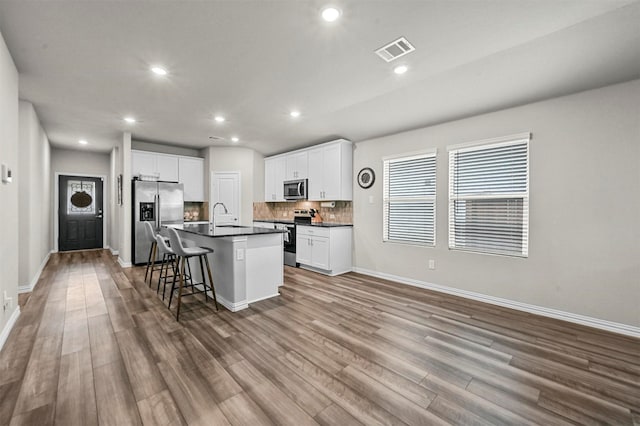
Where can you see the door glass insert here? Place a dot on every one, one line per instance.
(81, 197)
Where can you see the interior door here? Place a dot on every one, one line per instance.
(225, 189)
(79, 213)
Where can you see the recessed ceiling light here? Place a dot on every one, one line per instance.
(330, 14)
(219, 118)
(235, 139)
(159, 70)
(295, 114)
(82, 142)
(400, 69)
(130, 120)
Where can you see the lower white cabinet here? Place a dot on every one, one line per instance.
(324, 249)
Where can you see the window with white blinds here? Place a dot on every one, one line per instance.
(489, 196)
(410, 199)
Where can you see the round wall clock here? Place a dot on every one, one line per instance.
(366, 177)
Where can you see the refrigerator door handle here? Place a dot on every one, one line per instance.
(159, 214)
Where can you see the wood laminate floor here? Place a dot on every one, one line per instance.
(94, 345)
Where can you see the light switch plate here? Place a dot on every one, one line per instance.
(6, 174)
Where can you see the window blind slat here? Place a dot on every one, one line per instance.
(409, 199)
(488, 198)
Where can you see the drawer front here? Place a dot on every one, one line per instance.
(312, 231)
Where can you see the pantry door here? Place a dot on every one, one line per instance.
(225, 189)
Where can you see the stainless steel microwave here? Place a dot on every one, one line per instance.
(295, 189)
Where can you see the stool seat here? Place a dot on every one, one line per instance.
(196, 251)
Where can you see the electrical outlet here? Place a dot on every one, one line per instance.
(284, 214)
(239, 254)
(432, 264)
(332, 216)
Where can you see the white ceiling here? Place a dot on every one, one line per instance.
(85, 65)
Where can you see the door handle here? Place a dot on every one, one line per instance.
(98, 216)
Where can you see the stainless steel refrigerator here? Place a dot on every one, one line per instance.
(160, 203)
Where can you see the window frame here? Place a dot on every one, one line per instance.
(511, 140)
(387, 201)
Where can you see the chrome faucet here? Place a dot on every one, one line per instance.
(213, 212)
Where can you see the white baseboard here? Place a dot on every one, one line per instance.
(614, 327)
(124, 264)
(263, 298)
(4, 335)
(113, 252)
(233, 307)
(27, 288)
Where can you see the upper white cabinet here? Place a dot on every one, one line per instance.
(143, 163)
(191, 175)
(296, 165)
(274, 176)
(328, 167)
(167, 166)
(171, 168)
(330, 171)
(160, 166)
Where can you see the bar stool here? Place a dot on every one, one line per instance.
(150, 235)
(183, 254)
(169, 259)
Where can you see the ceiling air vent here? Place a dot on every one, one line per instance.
(395, 49)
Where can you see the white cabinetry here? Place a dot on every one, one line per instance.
(191, 175)
(168, 167)
(171, 168)
(328, 167)
(296, 165)
(143, 163)
(160, 166)
(324, 250)
(330, 171)
(274, 176)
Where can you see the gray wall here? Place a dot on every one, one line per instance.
(165, 149)
(231, 159)
(8, 192)
(35, 201)
(584, 244)
(67, 161)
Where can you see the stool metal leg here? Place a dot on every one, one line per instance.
(180, 289)
(206, 260)
(152, 250)
(204, 284)
(174, 268)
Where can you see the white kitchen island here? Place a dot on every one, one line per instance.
(246, 264)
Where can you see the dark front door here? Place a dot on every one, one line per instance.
(80, 213)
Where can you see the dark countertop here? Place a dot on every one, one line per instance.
(225, 231)
(321, 225)
(326, 225)
(289, 222)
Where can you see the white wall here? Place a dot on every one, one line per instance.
(124, 211)
(230, 159)
(35, 201)
(114, 208)
(69, 162)
(8, 192)
(584, 246)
